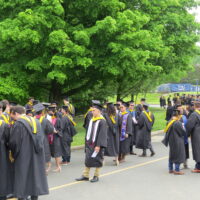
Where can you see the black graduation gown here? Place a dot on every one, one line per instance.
(68, 132)
(139, 109)
(144, 132)
(55, 147)
(175, 138)
(112, 149)
(101, 141)
(47, 128)
(88, 117)
(29, 165)
(193, 130)
(125, 144)
(6, 168)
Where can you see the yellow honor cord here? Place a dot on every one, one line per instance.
(71, 119)
(1, 122)
(197, 111)
(148, 115)
(32, 123)
(6, 118)
(97, 118)
(123, 113)
(88, 112)
(113, 119)
(169, 125)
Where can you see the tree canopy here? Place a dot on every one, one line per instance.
(92, 49)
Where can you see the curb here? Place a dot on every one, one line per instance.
(82, 146)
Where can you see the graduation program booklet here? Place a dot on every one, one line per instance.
(94, 154)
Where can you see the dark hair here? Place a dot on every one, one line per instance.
(4, 103)
(176, 113)
(17, 109)
(111, 110)
(39, 112)
(145, 107)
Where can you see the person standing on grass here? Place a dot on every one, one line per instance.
(145, 123)
(112, 120)
(95, 144)
(68, 132)
(174, 137)
(193, 130)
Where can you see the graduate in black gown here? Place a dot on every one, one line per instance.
(145, 123)
(27, 147)
(47, 129)
(125, 128)
(95, 144)
(6, 167)
(193, 130)
(68, 132)
(174, 137)
(56, 137)
(132, 112)
(112, 120)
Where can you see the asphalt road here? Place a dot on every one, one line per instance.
(137, 178)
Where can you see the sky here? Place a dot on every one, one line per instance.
(197, 13)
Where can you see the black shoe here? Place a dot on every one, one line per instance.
(152, 154)
(95, 179)
(34, 198)
(83, 178)
(143, 155)
(132, 153)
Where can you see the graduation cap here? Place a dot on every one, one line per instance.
(46, 105)
(65, 107)
(12, 103)
(116, 104)
(142, 99)
(145, 105)
(98, 106)
(54, 103)
(28, 111)
(126, 104)
(52, 108)
(38, 107)
(96, 102)
(36, 102)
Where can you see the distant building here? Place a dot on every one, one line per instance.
(179, 87)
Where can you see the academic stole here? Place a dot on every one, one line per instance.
(169, 125)
(88, 112)
(89, 131)
(71, 119)
(112, 118)
(148, 115)
(124, 123)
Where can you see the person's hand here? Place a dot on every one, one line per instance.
(97, 149)
(126, 136)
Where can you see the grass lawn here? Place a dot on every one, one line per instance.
(151, 98)
(80, 137)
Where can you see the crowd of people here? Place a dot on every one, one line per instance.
(183, 121)
(31, 135)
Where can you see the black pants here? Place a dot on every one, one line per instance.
(3, 198)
